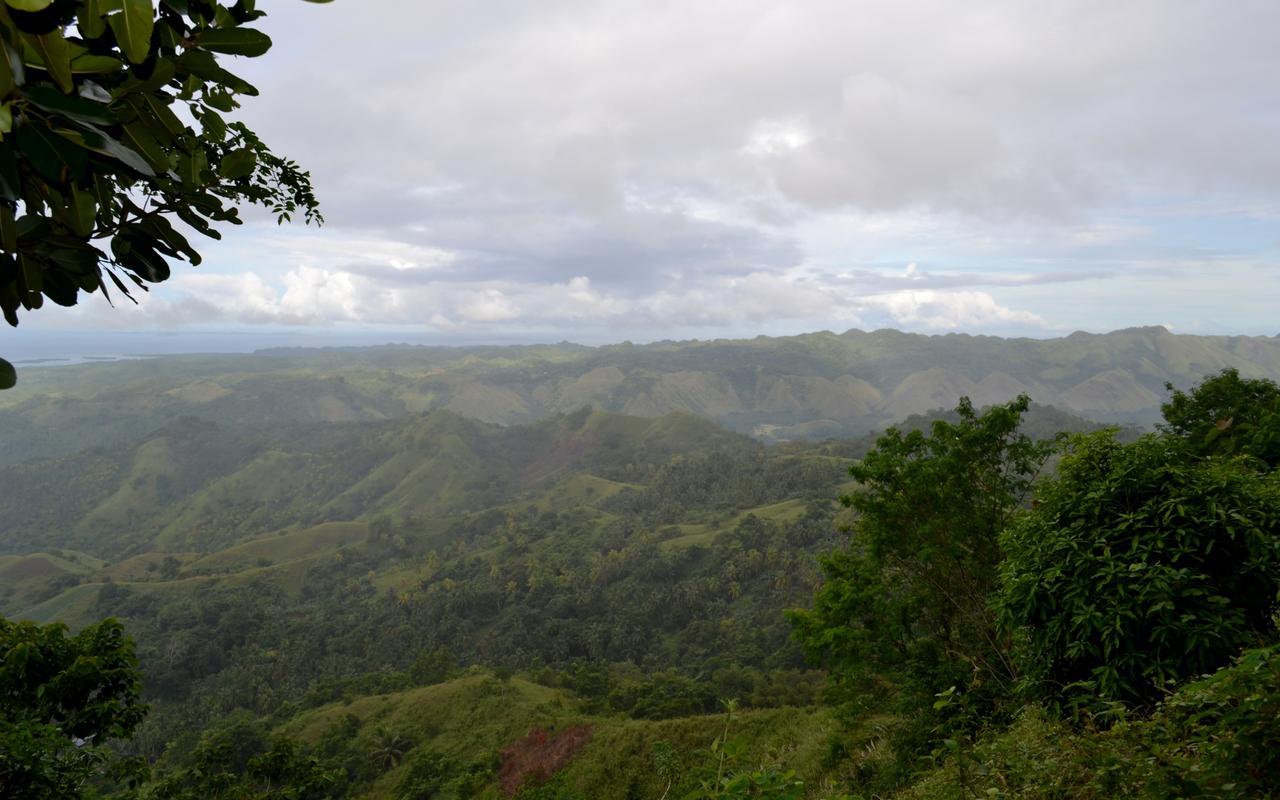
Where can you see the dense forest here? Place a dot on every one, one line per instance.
(1009, 602)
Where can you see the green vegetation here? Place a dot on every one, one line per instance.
(95, 145)
(1142, 566)
(592, 606)
(62, 698)
(808, 387)
(1137, 568)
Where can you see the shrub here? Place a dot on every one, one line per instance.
(1141, 565)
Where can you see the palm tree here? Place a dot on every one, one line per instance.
(388, 748)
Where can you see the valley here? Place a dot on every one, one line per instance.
(425, 555)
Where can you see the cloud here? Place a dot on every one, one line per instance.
(993, 108)
(967, 310)
(730, 166)
(320, 296)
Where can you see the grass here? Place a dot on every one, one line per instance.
(469, 720)
(702, 535)
(283, 547)
(74, 606)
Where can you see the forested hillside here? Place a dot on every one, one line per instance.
(641, 563)
(603, 605)
(811, 386)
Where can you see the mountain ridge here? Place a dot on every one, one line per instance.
(776, 388)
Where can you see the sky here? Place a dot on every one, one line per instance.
(605, 170)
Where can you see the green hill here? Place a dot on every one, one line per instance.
(195, 486)
(290, 557)
(814, 385)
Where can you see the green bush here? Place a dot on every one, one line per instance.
(1141, 565)
(1221, 734)
(1218, 737)
(1227, 414)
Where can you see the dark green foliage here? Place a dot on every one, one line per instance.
(95, 145)
(904, 613)
(62, 698)
(641, 564)
(639, 617)
(1227, 414)
(700, 482)
(1141, 565)
(554, 789)
(240, 761)
(1221, 734)
(914, 583)
(1217, 738)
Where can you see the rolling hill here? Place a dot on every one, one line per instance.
(810, 386)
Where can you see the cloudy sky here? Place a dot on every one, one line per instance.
(601, 170)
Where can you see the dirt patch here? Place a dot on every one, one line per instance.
(539, 755)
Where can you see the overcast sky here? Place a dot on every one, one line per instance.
(603, 170)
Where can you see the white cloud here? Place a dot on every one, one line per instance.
(964, 310)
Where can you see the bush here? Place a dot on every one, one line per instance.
(1221, 734)
(1141, 565)
(1218, 737)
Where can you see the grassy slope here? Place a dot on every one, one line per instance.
(471, 719)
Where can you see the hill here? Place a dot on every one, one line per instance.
(197, 486)
(265, 566)
(811, 386)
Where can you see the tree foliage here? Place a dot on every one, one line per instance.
(923, 558)
(61, 699)
(115, 124)
(1228, 414)
(1142, 565)
(281, 771)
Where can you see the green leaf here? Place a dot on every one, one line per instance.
(8, 375)
(191, 167)
(214, 127)
(197, 222)
(234, 41)
(8, 229)
(54, 55)
(6, 117)
(165, 115)
(7, 81)
(142, 260)
(238, 164)
(61, 288)
(84, 209)
(10, 187)
(50, 154)
(204, 65)
(70, 106)
(133, 28)
(90, 64)
(139, 137)
(29, 5)
(90, 19)
(92, 138)
(164, 231)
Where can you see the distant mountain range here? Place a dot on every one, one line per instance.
(809, 386)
